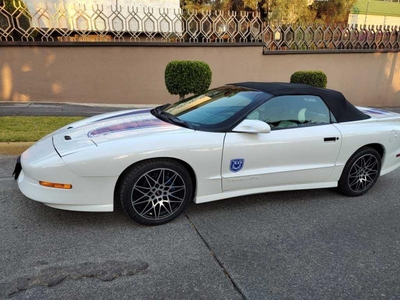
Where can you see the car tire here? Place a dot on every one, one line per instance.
(156, 191)
(360, 173)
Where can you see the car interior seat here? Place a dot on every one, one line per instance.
(301, 116)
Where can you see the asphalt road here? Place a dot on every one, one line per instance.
(312, 244)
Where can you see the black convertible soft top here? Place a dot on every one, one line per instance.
(342, 109)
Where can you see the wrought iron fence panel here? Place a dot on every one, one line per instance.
(74, 22)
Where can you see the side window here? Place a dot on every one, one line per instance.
(292, 111)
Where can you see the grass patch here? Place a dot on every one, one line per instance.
(30, 129)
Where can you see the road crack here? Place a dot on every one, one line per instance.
(221, 265)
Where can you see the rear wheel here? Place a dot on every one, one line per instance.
(360, 172)
(156, 191)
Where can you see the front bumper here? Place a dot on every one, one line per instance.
(42, 163)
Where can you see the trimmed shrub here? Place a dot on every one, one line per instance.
(314, 78)
(184, 77)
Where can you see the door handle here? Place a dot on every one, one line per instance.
(331, 139)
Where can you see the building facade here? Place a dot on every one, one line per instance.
(375, 12)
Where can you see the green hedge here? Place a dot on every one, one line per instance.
(314, 78)
(184, 77)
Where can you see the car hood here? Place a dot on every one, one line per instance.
(95, 131)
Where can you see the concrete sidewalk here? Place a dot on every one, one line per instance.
(60, 109)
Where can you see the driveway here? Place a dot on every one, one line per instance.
(314, 244)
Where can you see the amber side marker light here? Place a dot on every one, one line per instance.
(65, 186)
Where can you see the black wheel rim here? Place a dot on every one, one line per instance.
(158, 194)
(363, 173)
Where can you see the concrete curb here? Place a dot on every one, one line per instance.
(14, 148)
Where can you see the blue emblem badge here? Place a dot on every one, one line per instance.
(236, 164)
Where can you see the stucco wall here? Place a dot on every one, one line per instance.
(99, 74)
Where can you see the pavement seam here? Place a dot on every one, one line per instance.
(235, 286)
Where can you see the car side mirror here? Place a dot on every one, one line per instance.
(252, 126)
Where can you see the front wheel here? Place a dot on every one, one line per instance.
(157, 191)
(360, 172)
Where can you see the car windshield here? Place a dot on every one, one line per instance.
(214, 109)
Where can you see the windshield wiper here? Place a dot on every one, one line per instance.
(173, 119)
(158, 110)
(159, 113)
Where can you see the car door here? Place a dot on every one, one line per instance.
(301, 148)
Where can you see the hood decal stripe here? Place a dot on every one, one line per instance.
(128, 126)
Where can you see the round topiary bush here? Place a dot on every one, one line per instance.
(314, 78)
(184, 77)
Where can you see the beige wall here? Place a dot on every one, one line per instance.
(136, 74)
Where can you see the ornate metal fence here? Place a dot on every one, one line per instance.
(331, 37)
(115, 23)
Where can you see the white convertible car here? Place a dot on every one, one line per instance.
(239, 139)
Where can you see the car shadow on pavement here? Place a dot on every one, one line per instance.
(267, 199)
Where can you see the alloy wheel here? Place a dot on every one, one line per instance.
(363, 173)
(158, 194)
